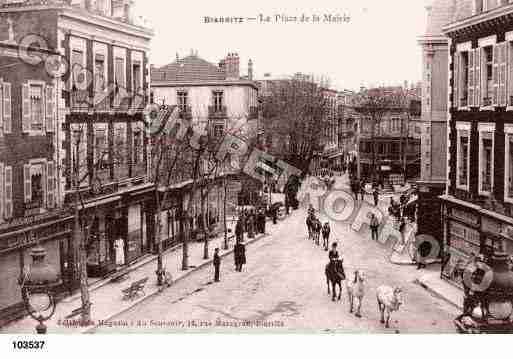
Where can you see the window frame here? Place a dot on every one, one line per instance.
(486, 128)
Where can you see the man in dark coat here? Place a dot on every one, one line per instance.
(251, 224)
(239, 255)
(274, 213)
(239, 230)
(217, 265)
(261, 220)
(375, 194)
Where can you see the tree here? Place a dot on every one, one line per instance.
(296, 111)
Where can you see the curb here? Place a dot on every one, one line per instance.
(436, 293)
(91, 329)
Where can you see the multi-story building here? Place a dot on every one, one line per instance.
(478, 205)
(396, 140)
(216, 98)
(72, 109)
(348, 125)
(435, 54)
(330, 139)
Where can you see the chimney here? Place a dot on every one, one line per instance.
(250, 70)
(232, 66)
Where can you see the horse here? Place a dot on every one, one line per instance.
(335, 274)
(356, 290)
(389, 300)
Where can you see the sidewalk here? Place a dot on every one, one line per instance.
(440, 288)
(106, 296)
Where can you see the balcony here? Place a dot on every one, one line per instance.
(217, 112)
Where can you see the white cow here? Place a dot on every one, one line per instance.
(389, 300)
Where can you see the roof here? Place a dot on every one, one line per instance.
(188, 69)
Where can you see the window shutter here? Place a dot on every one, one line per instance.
(8, 209)
(50, 189)
(495, 76)
(477, 76)
(25, 94)
(456, 80)
(7, 107)
(503, 81)
(50, 109)
(471, 78)
(28, 183)
(2, 194)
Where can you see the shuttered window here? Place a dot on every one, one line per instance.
(26, 111)
(6, 107)
(503, 81)
(456, 80)
(477, 76)
(495, 75)
(471, 72)
(50, 108)
(8, 208)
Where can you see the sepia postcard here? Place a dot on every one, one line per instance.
(266, 167)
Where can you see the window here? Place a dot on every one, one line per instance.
(101, 148)
(462, 78)
(488, 76)
(463, 158)
(36, 107)
(486, 145)
(218, 101)
(136, 78)
(219, 130)
(5, 108)
(182, 100)
(119, 72)
(99, 76)
(77, 68)
(39, 186)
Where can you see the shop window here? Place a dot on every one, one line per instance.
(485, 161)
(463, 159)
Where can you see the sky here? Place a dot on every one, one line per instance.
(377, 46)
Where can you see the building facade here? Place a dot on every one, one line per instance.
(216, 98)
(397, 141)
(72, 137)
(477, 208)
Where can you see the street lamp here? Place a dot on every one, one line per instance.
(37, 285)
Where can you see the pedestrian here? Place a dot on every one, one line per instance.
(239, 230)
(239, 255)
(362, 189)
(374, 226)
(251, 224)
(333, 253)
(326, 235)
(274, 213)
(375, 194)
(217, 265)
(422, 253)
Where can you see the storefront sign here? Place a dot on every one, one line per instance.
(32, 220)
(464, 216)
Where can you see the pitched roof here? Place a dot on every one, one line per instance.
(188, 69)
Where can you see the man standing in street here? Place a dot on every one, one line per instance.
(239, 252)
(217, 265)
(374, 226)
(375, 194)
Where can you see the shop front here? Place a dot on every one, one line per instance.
(462, 239)
(54, 233)
(471, 229)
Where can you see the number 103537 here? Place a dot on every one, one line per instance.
(28, 344)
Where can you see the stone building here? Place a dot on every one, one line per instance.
(478, 204)
(71, 109)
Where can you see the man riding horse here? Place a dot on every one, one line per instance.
(334, 272)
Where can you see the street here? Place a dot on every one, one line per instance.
(283, 289)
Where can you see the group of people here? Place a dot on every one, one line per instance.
(316, 229)
(359, 191)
